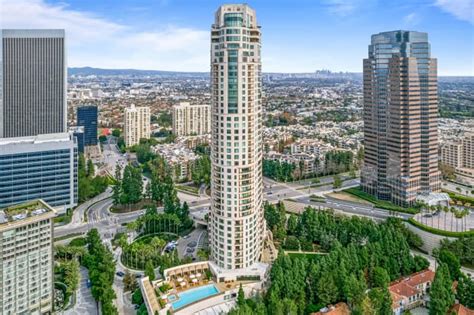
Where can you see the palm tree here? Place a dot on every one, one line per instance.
(452, 210)
(445, 210)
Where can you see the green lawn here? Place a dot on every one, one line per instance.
(382, 204)
(188, 189)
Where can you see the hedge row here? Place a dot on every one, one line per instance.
(382, 204)
(432, 230)
(464, 199)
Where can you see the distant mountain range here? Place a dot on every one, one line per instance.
(86, 71)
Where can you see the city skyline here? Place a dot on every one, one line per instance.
(174, 37)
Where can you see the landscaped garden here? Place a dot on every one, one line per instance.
(381, 204)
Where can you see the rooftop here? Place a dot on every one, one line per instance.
(52, 137)
(23, 211)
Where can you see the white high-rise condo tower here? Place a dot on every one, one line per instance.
(237, 224)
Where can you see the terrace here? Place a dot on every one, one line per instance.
(24, 211)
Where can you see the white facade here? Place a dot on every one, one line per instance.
(237, 223)
(136, 124)
(26, 259)
(191, 119)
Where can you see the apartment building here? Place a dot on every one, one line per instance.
(459, 154)
(191, 120)
(237, 223)
(136, 124)
(26, 259)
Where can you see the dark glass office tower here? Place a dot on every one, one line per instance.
(32, 83)
(400, 117)
(87, 117)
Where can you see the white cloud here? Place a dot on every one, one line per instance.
(98, 42)
(461, 9)
(411, 19)
(345, 8)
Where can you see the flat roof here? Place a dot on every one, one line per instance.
(52, 137)
(33, 33)
(24, 211)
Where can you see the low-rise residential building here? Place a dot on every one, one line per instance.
(179, 157)
(409, 292)
(340, 308)
(191, 119)
(26, 258)
(459, 309)
(305, 164)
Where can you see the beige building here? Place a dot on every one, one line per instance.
(136, 125)
(237, 225)
(191, 120)
(459, 154)
(26, 258)
(400, 118)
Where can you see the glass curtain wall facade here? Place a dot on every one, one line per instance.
(42, 167)
(400, 118)
(236, 220)
(87, 117)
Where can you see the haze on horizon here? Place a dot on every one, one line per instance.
(298, 36)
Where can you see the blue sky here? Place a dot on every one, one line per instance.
(298, 35)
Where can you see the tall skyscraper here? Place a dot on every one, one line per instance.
(32, 83)
(87, 117)
(191, 120)
(237, 224)
(26, 259)
(400, 117)
(40, 167)
(136, 124)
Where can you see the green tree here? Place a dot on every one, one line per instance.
(90, 168)
(116, 133)
(129, 281)
(327, 291)
(381, 301)
(441, 295)
(241, 296)
(337, 182)
(380, 277)
(149, 270)
(354, 289)
(465, 291)
(453, 263)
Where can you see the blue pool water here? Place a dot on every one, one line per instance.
(193, 295)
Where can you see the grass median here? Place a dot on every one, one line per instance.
(381, 204)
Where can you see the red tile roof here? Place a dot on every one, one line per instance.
(340, 308)
(461, 310)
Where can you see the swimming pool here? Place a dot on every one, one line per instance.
(193, 295)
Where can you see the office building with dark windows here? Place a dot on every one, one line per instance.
(400, 118)
(40, 167)
(87, 117)
(32, 83)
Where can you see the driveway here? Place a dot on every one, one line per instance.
(85, 303)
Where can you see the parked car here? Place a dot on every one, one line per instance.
(120, 273)
(88, 284)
